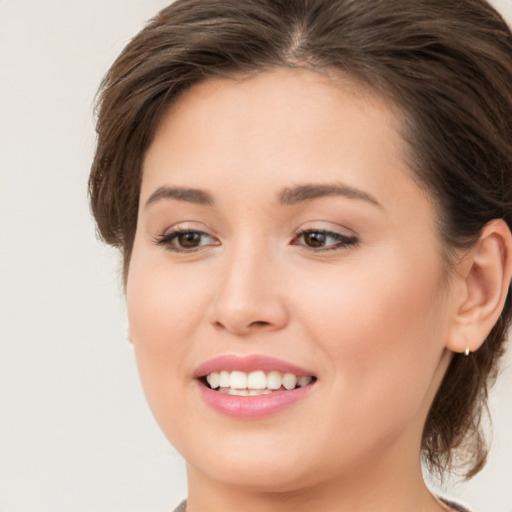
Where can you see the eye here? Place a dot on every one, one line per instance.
(186, 240)
(323, 240)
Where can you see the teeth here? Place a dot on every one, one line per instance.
(238, 380)
(214, 380)
(289, 381)
(257, 380)
(239, 392)
(274, 380)
(257, 392)
(304, 381)
(224, 379)
(245, 392)
(254, 383)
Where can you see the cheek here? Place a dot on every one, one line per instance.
(381, 325)
(164, 302)
(164, 311)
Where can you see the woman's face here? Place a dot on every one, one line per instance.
(280, 232)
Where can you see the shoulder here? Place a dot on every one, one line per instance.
(182, 507)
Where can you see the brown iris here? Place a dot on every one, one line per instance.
(314, 239)
(189, 239)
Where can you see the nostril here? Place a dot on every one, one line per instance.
(259, 323)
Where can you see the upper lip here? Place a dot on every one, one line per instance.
(251, 363)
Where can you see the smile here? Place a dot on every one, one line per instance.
(255, 383)
(251, 387)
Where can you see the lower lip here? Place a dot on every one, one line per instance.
(251, 407)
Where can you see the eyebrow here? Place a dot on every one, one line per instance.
(309, 192)
(288, 196)
(189, 195)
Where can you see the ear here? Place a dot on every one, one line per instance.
(483, 280)
(128, 334)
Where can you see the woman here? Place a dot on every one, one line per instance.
(312, 199)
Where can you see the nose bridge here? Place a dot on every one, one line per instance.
(248, 296)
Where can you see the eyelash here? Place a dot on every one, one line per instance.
(167, 240)
(341, 241)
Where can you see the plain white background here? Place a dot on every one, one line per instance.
(75, 432)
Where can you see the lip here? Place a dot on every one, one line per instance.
(251, 407)
(249, 364)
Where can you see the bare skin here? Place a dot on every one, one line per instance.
(348, 282)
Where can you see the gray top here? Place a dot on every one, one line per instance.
(182, 507)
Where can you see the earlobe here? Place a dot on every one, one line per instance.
(128, 335)
(484, 274)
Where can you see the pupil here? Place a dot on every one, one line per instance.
(189, 239)
(315, 239)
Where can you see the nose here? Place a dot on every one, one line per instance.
(249, 298)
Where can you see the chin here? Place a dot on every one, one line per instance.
(257, 465)
(259, 477)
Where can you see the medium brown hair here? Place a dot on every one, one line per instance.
(446, 64)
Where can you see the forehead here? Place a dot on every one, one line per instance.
(289, 118)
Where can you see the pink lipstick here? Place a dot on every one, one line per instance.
(249, 364)
(252, 386)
